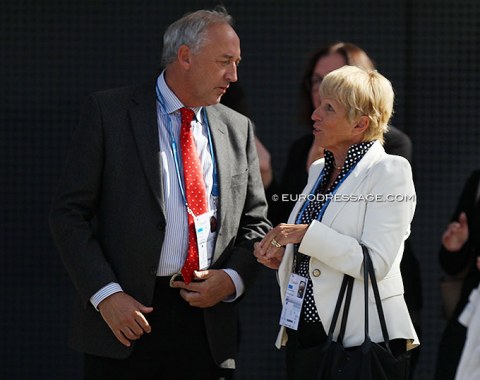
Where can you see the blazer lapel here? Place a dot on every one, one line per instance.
(219, 132)
(353, 181)
(145, 129)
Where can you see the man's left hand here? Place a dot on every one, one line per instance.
(211, 287)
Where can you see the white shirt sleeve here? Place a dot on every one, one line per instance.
(105, 292)
(238, 282)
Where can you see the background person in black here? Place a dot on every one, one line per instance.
(459, 250)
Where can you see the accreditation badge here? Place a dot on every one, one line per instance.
(293, 301)
(202, 230)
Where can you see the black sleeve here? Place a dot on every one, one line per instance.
(398, 143)
(281, 196)
(453, 263)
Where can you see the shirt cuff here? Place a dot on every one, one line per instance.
(105, 292)
(238, 282)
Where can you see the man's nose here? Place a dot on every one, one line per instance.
(232, 74)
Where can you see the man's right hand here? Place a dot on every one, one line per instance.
(125, 317)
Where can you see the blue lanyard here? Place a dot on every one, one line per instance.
(173, 146)
(327, 201)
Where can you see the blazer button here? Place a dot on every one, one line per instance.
(153, 271)
(316, 272)
(161, 226)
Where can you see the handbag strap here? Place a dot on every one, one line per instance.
(369, 271)
(346, 309)
(347, 282)
(347, 286)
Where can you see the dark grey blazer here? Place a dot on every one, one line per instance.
(108, 216)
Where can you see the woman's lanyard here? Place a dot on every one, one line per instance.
(173, 147)
(328, 196)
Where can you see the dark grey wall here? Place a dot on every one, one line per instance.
(55, 52)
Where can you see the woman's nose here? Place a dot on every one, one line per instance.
(316, 115)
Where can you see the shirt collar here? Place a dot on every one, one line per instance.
(354, 154)
(172, 103)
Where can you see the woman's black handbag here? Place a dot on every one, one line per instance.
(372, 361)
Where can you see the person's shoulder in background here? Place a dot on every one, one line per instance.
(398, 143)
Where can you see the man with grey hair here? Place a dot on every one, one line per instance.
(157, 212)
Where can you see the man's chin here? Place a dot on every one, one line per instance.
(212, 102)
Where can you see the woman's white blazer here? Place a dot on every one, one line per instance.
(374, 206)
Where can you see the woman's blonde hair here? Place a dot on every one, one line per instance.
(362, 93)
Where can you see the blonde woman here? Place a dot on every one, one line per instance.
(357, 194)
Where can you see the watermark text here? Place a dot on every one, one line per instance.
(344, 197)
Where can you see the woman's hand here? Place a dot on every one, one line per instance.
(456, 234)
(271, 249)
(272, 263)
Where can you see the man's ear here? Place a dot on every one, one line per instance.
(184, 56)
(362, 124)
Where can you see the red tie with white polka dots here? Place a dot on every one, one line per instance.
(195, 191)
